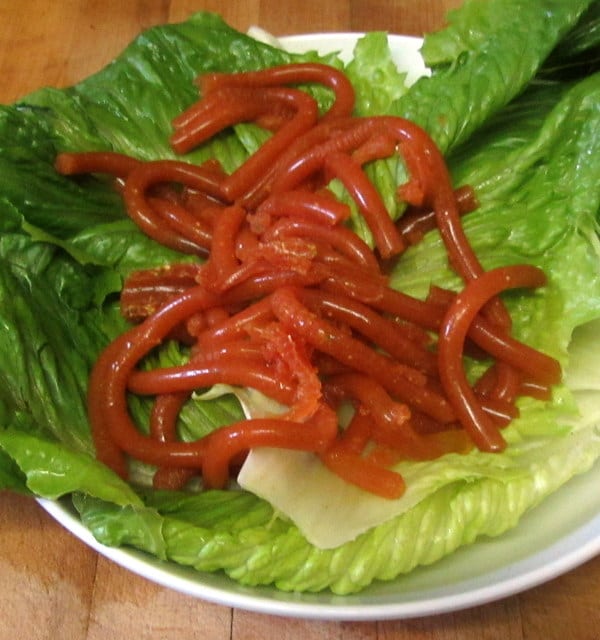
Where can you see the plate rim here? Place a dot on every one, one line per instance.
(343, 608)
(289, 605)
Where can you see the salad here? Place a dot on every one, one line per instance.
(515, 112)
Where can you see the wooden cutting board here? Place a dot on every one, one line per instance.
(54, 587)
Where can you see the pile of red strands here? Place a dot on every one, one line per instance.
(294, 304)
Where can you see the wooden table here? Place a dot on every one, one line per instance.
(53, 586)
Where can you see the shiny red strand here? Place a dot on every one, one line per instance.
(292, 303)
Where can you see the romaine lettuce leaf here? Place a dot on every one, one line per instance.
(255, 547)
(540, 197)
(375, 75)
(578, 54)
(45, 313)
(127, 107)
(487, 55)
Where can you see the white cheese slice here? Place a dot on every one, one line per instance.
(326, 509)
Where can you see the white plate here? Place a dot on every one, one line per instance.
(557, 536)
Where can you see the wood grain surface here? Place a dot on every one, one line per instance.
(54, 587)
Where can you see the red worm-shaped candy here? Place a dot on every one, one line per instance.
(340, 238)
(539, 366)
(109, 162)
(238, 371)
(453, 332)
(224, 444)
(312, 207)
(405, 382)
(163, 427)
(381, 331)
(182, 228)
(292, 303)
(113, 429)
(306, 72)
(387, 237)
(243, 179)
(363, 472)
(223, 261)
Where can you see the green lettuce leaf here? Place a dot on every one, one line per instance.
(205, 531)
(375, 75)
(52, 470)
(45, 313)
(128, 108)
(487, 55)
(578, 54)
(540, 197)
